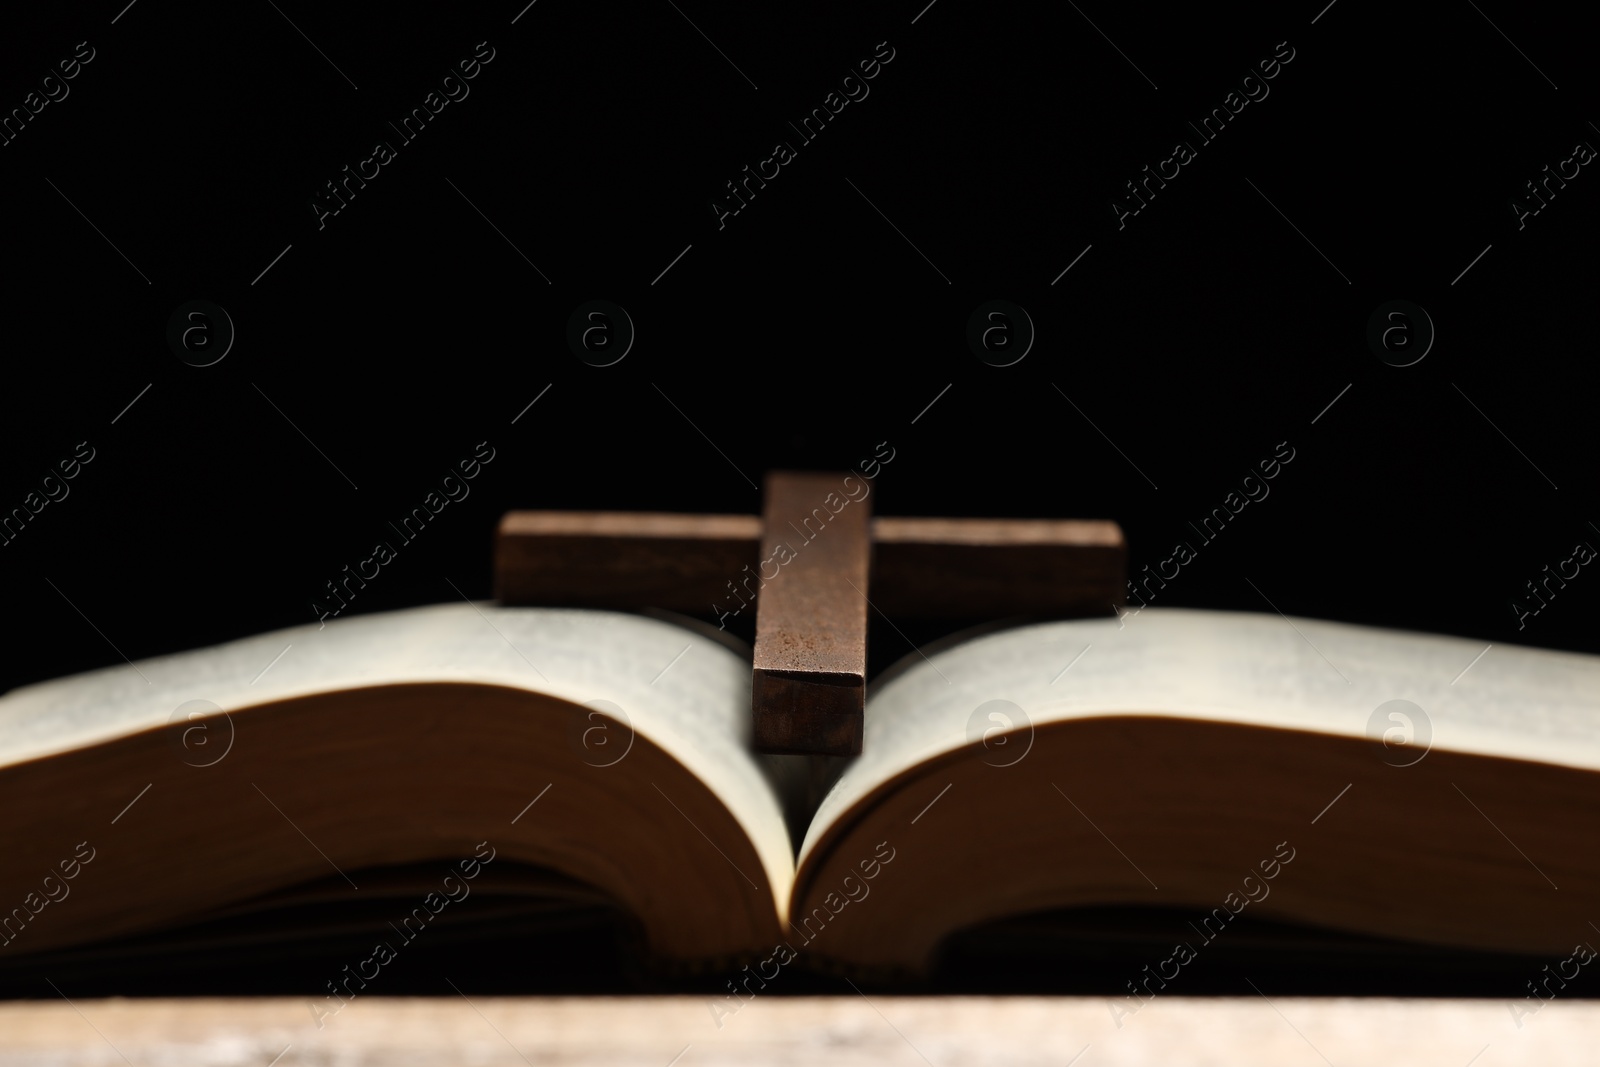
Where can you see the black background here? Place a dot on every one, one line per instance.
(807, 330)
(823, 319)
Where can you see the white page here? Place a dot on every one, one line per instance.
(1236, 667)
(687, 693)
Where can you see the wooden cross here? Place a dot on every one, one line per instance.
(812, 568)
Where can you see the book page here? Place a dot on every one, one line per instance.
(688, 693)
(1257, 669)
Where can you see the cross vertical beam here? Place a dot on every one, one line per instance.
(809, 687)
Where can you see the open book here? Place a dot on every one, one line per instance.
(1216, 762)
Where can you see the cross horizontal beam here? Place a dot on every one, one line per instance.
(921, 568)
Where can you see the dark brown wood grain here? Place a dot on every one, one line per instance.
(623, 559)
(809, 687)
(992, 568)
(923, 568)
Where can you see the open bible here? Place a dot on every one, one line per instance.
(389, 772)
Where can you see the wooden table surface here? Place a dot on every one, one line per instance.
(838, 1031)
